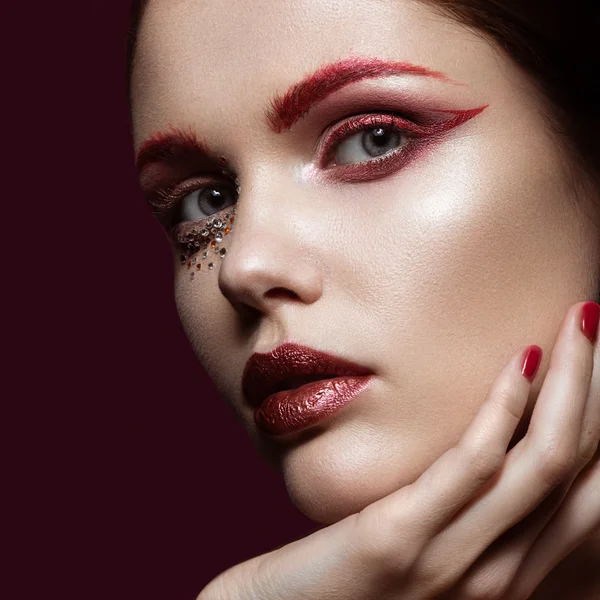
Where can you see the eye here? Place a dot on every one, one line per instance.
(371, 146)
(206, 201)
(368, 144)
(367, 140)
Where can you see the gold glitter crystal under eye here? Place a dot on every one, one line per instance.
(197, 242)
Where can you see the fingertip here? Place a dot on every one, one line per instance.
(590, 319)
(530, 362)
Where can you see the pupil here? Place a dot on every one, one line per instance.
(216, 198)
(380, 140)
(212, 200)
(380, 136)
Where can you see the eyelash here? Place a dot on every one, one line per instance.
(375, 168)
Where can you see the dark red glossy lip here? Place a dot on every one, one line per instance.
(264, 372)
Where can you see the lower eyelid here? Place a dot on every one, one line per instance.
(421, 138)
(182, 191)
(410, 140)
(409, 126)
(353, 126)
(377, 168)
(405, 139)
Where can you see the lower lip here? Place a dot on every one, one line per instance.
(291, 411)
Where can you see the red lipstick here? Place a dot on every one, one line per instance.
(294, 387)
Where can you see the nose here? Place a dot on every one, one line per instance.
(271, 259)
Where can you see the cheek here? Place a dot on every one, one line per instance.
(481, 262)
(202, 244)
(211, 332)
(199, 305)
(479, 229)
(202, 247)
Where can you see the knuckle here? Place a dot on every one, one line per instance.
(481, 462)
(434, 574)
(381, 541)
(589, 445)
(481, 591)
(489, 584)
(504, 402)
(556, 462)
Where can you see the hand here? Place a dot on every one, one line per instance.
(478, 522)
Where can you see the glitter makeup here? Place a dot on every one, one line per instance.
(200, 241)
(176, 163)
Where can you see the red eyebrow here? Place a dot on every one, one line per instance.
(171, 147)
(288, 108)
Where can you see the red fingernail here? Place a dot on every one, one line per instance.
(532, 357)
(590, 315)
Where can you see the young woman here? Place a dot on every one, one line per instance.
(384, 218)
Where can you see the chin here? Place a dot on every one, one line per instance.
(342, 470)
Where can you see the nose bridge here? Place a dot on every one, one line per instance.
(269, 251)
(270, 206)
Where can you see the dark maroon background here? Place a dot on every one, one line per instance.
(127, 476)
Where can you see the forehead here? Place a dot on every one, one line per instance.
(220, 61)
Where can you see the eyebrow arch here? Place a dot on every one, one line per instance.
(286, 109)
(170, 147)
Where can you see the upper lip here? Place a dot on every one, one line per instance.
(267, 373)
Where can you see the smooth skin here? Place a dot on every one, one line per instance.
(433, 276)
(440, 537)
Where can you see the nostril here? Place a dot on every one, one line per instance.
(278, 292)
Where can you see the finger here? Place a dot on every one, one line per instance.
(591, 417)
(532, 572)
(558, 414)
(544, 458)
(577, 520)
(494, 571)
(419, 510)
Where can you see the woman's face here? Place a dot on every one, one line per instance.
(420, 223)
